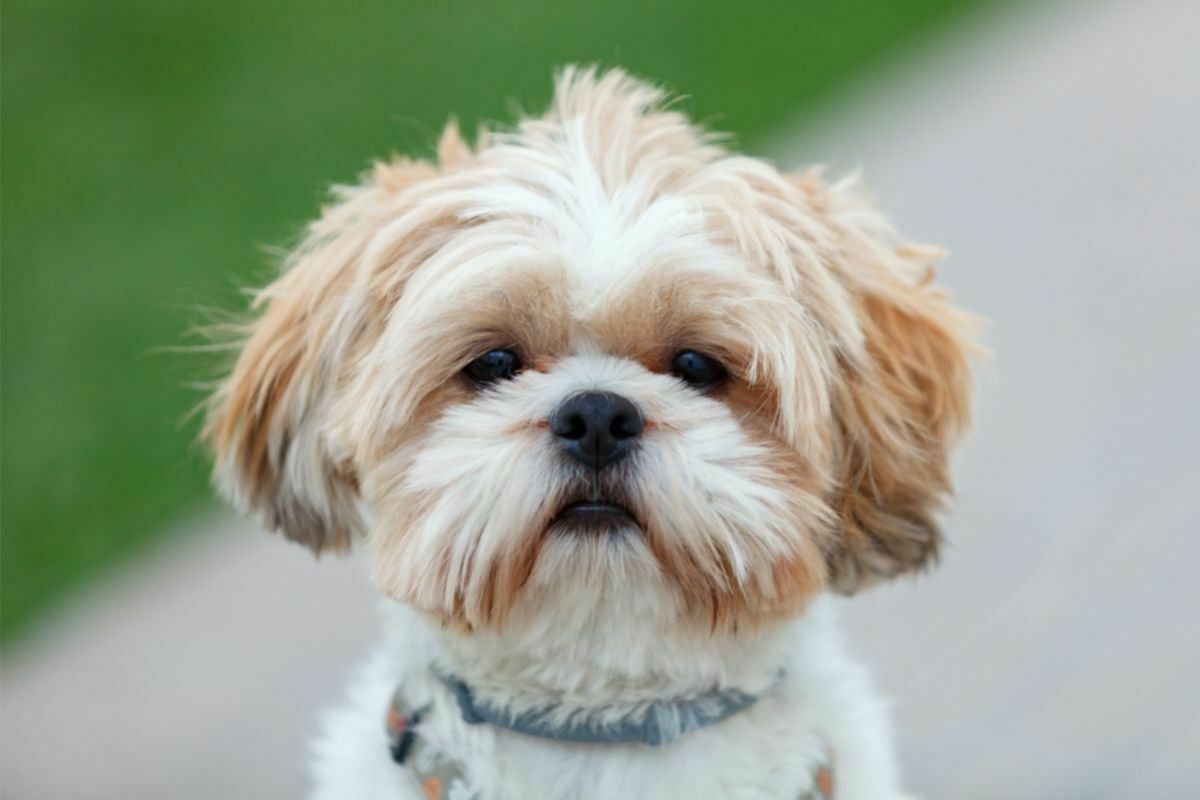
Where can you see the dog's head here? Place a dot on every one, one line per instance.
(600, 356)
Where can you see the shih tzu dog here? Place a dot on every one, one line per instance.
(616, 413)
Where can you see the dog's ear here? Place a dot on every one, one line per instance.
(268, 422)
(899, 404)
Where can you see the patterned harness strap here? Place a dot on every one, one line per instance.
(442, 778)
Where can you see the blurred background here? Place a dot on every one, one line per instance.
(155, 157)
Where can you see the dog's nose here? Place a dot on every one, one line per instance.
(596, 428)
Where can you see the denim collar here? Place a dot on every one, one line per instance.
(658, 723)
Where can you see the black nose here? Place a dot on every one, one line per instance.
(596, 428)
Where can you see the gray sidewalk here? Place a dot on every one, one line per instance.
(196, 675)
(1053, 654)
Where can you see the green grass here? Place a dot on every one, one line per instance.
(151, 149)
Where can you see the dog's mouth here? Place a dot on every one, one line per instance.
(593, 515)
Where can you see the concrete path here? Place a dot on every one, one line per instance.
(197, 675)
(1052, 655)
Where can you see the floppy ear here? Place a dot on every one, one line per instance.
(899, 405)
(268, 422)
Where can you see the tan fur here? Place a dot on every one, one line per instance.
(899, 413)
(900, 410)
(288, 367)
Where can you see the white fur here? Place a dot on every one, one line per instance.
(826, 700)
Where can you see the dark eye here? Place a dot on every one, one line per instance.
(697, 369)
(494, 365)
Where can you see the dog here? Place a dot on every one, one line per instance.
(618, 415)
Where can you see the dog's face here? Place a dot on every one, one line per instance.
(600, 360)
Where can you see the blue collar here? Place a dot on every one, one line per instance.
(660, 722)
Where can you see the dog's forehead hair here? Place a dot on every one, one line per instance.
(641, 278)
(647, 298)
(631, 278)
(619, 248)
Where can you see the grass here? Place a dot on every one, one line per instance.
(151, 149)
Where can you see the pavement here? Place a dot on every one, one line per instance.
(1053, 654)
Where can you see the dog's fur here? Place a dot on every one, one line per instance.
(597, 241)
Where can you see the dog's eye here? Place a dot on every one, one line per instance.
(494, 365)
(697, 369)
